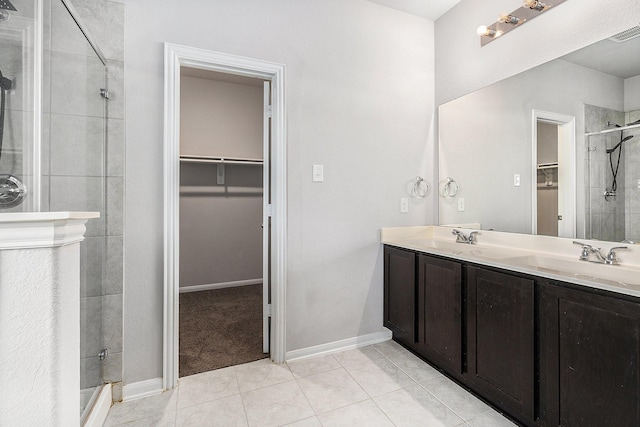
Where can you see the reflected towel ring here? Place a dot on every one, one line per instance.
(450, 188)
(420, 188)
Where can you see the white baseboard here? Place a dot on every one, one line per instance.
(100, 409)
(196, 288)
(142, 389)
(336, 346)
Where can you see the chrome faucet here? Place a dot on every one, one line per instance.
(588, 250)
(612, 259)
(463, 238)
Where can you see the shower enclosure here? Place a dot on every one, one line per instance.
(53, 142)
(613, 166)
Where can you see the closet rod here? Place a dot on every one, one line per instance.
(220, 160)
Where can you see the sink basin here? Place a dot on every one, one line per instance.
(579, 269)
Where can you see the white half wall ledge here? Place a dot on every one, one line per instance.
(40, 317)
(27, 230)
(341, 345)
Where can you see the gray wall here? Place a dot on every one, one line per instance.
(632, 94)
(220, 233)
(359, 100)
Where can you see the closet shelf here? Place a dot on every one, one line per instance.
(542, 166)
(220, 160)
(549, 187)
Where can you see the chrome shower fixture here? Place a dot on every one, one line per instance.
(6, 5)
(12, 191)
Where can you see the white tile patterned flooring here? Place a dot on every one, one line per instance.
(377, 385)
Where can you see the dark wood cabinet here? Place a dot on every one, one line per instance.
(500, 340)
(399, 294)
(548, 354)
(439, 336)
(590, 359)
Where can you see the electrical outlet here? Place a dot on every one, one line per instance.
(404, 205)
(460, 204)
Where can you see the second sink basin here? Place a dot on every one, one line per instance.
(589, 270)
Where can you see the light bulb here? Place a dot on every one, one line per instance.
(508, 19)
(535, 4)
(483, 30)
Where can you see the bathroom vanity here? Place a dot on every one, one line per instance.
(547, 343)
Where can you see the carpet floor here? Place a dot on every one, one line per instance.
(220, 328)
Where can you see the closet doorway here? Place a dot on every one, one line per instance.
(554, 174)
(275, 213)
(224, 188)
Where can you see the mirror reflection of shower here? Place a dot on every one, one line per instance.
(613, 171)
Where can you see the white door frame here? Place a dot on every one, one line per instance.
(566, 173)
(176, 56)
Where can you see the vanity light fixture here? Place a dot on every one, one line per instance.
(508, 21)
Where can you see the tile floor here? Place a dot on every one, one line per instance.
(378, 385)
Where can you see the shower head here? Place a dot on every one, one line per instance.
(613, 124)
(611, 150)
(6, 5)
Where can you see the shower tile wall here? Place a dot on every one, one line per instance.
(632, 179)
(105, 21)
(605, 219)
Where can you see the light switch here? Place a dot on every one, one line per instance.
(516, 180)
(460, 204)
(404, 205)
(318, 173)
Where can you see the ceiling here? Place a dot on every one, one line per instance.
(429, 9)
(606, 56)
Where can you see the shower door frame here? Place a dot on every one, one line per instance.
(175, 57)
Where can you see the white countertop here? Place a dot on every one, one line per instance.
(543, 256)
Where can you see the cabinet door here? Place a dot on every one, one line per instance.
(399, 293)
(500, 340)
(591, 356)
(440, 312)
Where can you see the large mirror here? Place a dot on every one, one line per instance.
(527, 154)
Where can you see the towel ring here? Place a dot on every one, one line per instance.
(450, 188)
(420, 188)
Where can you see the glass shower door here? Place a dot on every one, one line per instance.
(74, 164)
(19, 97)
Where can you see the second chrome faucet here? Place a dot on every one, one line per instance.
(588, 250)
